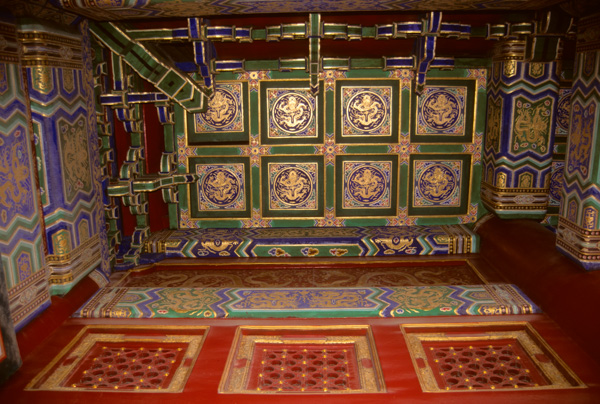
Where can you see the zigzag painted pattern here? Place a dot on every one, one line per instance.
(581, 188)
(61, 108)
(21, 238)
(509, 89)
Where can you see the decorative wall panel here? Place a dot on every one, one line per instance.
(223, 187)
(64, 124)
(444, 112)
(21, 225)
(367, 111)
(226, 119)
(290, 113)
(366, 185)
(345, 157)
(294, 186)
(439, 184)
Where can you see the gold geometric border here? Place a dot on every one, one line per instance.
(60, 368)
(235, 377)
(556, 372)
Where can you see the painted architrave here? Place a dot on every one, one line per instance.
(226, 120)
(292, 186)
(366, 185)
(444, 112)
(223, 189)
(367, 111)
(439, 184)
(289, 113)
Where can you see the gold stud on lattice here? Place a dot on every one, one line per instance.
(116, 387)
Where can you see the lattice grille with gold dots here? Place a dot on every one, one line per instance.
(485, 356)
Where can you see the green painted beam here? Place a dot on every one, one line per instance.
(166, 78)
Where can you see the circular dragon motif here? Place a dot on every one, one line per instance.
(222, 109)
(220, 186)
(292, 186)
(441, 110)
(366, 111)
(556, 182)
(292, 112)
(563, 112)
(367, 184)
(437, 183)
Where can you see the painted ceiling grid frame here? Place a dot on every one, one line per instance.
(125, 47)
(205, 67)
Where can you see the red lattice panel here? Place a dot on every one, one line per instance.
(293, 368)
(482, 365)
(117, 366)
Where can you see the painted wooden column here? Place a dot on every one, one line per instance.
(578, 233)
(57, 62)
(22, 248)
(522, 99)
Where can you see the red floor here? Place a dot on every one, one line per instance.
(397, 368)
